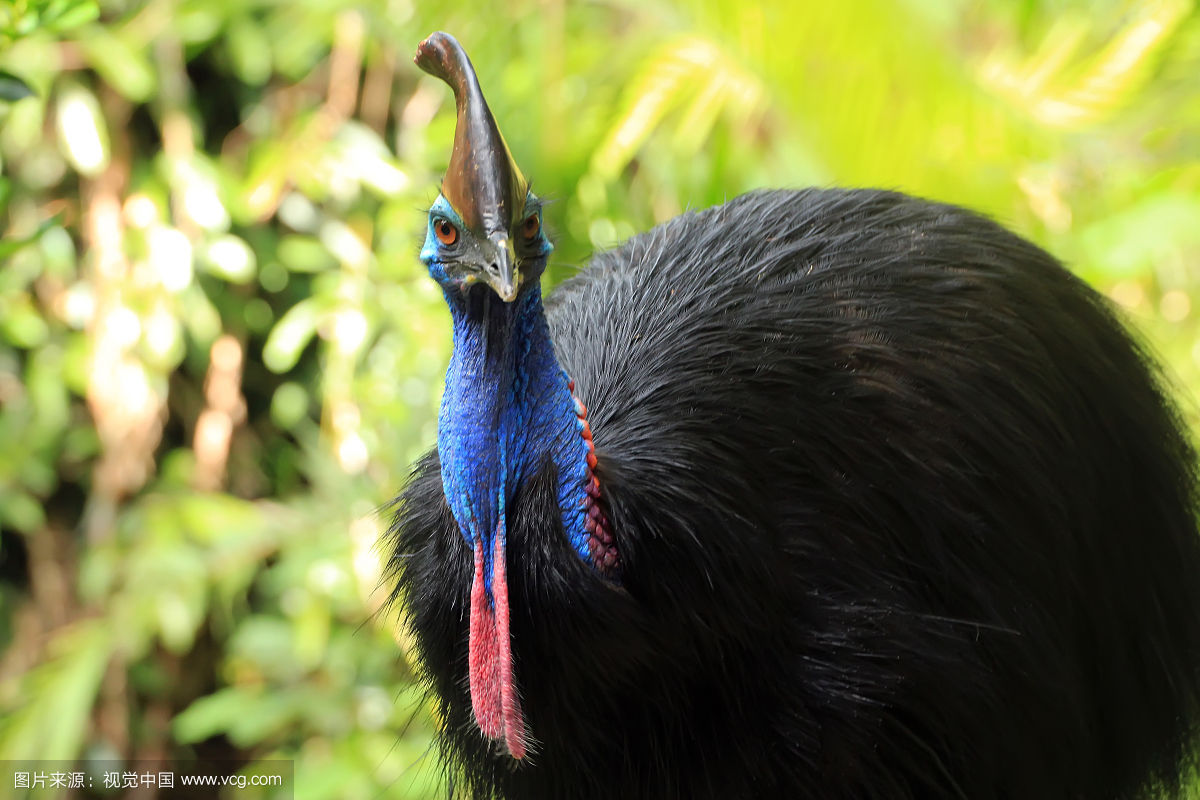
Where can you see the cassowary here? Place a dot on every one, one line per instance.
(822, 494)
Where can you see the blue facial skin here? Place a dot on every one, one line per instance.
(507, 404)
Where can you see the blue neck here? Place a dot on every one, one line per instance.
(507, 406)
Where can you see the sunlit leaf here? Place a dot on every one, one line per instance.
(229, 257)
(123, 63)
(291, 334)
(82, 130)
(1062, 91)
(64, 15)
(199, 315)
(663, 81)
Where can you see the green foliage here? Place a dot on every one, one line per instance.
(13, 88)
(20, 18)
(219, 356)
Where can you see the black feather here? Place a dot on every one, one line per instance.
(902, 509)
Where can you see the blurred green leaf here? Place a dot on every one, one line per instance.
(266, 642)
(123, 63)
(13, 88)
(291, 335)
(305, 254)
(63, 15)
(10, 246)
(289, 405)
(229, 257)
(21, 510)
(21, 324)
(250, 51)
(217, 713)
(52, 718)
(1161, 228)
(82, 130)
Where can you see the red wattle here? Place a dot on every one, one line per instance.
(493, 693)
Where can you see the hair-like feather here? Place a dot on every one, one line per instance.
(903, 512)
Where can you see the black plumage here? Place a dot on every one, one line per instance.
(903, 512)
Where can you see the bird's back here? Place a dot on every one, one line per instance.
(902, 512)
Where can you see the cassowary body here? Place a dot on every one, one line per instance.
(883, 503)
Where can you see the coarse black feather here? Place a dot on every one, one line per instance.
(902, 509)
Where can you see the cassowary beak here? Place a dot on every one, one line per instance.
(501, 272)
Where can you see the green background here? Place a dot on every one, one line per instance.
(219, 355)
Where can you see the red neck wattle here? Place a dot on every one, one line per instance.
(493, 693)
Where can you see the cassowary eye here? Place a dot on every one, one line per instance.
(530, 227)
(446, 233)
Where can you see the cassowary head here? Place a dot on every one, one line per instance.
(486, 225)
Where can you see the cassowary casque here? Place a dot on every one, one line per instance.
(823, 494)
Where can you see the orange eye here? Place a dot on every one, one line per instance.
(446, 233)
(530, 227)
